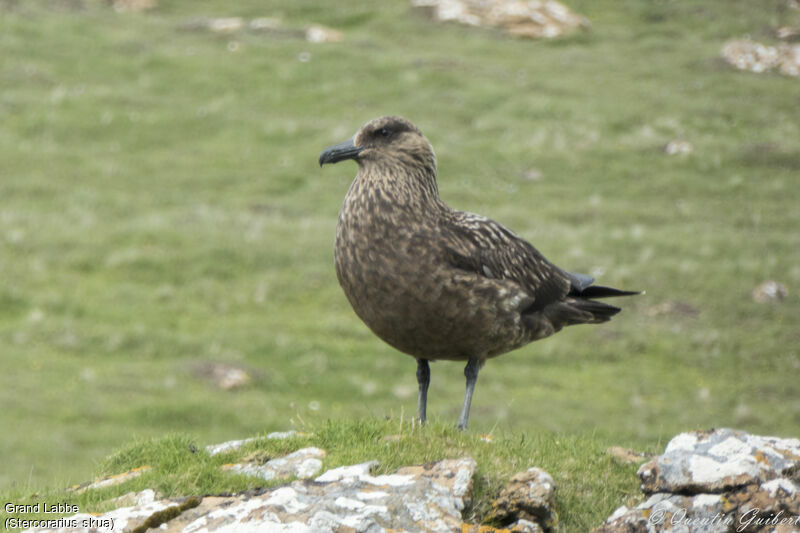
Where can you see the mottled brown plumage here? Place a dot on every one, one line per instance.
(437, 283)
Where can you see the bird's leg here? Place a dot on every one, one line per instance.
(471, 373)
(424, 379)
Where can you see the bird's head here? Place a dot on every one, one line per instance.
(384, 139)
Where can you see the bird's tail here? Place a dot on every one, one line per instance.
(580, 307)
(598, 291)
(599, 311)
(578, 311)
(581, 287)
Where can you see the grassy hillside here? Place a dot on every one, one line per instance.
(162, 209)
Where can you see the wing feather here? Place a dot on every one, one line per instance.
(485, 247)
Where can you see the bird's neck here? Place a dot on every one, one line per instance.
(389, 187)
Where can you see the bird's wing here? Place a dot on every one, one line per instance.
(481, 245)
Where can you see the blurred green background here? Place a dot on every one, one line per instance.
(162, 212)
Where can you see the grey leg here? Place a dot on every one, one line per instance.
(424, 379)
(471, 373)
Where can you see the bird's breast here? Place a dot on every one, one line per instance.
(391, 268)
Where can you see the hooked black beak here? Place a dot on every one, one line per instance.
(339, 152)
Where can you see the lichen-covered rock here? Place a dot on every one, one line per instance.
(525, 526)
(302, 464)
(775, 501)
(426, 498)
(717, 481)
(124, 519)
(745, 54)
(528, 497)
(349, 498)
(534, 19)
(719, 460)
(770, 291)
(772, 507)
(672, 513)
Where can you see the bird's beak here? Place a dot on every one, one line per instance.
(339, 152)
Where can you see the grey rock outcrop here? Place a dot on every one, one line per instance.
(302, 464)
(534, 19)
(349, 498)
(745, 54)
(717, 481)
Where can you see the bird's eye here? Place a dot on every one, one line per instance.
(384, 132)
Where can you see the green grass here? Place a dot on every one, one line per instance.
(179, 467)
(162, 207)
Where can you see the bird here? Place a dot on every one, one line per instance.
(437, 283)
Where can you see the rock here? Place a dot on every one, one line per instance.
(110, 481)
(525, 526)
(223, 375)
(767, 504)
(627, 456)
(787, 33)
(770, 291)
(302, 464)
(349, 498)
(225, 24)
(671, 512)
(528, 497)
(718, 460)
(717, 481)
(533, 19)
(678, 147)
(124, 519)
(745, 54)
(229, 446)
(316, 33)
(232, 445)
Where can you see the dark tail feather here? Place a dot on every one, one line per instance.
(578, 311)
(602, 312)
(598, 291)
